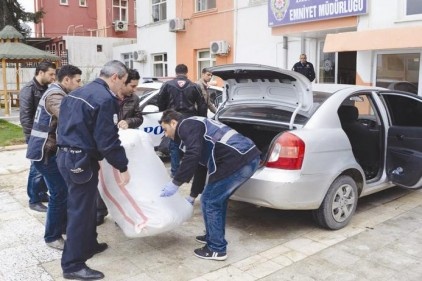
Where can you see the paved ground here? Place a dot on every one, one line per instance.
(383, 242)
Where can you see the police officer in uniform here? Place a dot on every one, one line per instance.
(230, 159)
(88, 134)
(42, 150)
(305, 67)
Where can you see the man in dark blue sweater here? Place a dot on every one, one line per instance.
(87, 133)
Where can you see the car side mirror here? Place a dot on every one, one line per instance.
(150, 109)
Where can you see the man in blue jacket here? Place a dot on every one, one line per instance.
(230, 158)
(87, 135)
(42, 150)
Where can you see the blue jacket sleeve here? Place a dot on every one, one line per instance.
(107, 137)
(192, 134)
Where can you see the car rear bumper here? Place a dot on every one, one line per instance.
(286, 190)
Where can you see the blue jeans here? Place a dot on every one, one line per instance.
(57, 206)
(36, 187)
(214, 204)
(174, 157)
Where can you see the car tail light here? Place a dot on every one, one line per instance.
(287, 153)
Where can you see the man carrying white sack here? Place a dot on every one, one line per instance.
(231, 159)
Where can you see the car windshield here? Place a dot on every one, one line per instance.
(145, 95)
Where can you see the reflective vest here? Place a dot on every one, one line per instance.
(41, 127)
(216, 132)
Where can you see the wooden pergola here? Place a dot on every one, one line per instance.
(14, 51)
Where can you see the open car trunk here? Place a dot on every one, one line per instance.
(261, 135)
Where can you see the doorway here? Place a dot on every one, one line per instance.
(346, 73)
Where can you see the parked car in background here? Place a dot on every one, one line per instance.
(148, 93)
(323, 145)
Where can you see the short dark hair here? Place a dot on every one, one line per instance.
(205, 70)
(44, 66)
(68, 70)
(132, 75)
(170, 114)
(181, 69)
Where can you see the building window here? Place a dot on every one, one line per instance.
(82, 3)
(47, 48)
(326, 66)
(99, 48)
(205, 59)
(61, 49)
(203, 5)
(128, 59)
(120, 8)
(64, 2)
(159, 62)
(413, 7)
(398, 71)
(53, 49)
(159, 10)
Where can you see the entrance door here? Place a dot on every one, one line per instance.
(404, 139)
(346, 73)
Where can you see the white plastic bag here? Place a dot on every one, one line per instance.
(137, 207)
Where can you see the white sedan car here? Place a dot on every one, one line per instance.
(323, 145)
(148, 93)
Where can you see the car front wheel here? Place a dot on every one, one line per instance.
(339, 204)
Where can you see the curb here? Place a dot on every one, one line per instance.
(13, 147)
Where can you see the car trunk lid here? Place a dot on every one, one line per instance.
(260, 84)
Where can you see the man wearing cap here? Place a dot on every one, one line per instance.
(88, 135)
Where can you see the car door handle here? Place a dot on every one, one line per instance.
(400, 137)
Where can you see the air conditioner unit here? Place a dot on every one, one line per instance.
(176, 24)
(140, 56)
(219, 47)
(120, 25)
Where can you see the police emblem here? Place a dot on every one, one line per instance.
(181, 83)
(115, 119)
(279, 8)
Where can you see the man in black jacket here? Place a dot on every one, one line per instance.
(304, 67)
(29, 97)
(184, 96)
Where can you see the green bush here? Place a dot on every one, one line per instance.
(10, 134)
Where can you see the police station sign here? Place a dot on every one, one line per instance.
(283, 12)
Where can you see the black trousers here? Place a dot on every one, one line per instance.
(81, 231)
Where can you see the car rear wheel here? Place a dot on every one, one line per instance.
(339, 204)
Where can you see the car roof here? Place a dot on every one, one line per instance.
(332, 88)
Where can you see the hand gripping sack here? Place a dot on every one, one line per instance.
(137, 207)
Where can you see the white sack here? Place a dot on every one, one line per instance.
(137, 207)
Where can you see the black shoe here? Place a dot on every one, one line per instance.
(85, 273)
(39, 207)
(201, 239)
(45, 198)
(206, 253)
(100, 219)
(101, 247)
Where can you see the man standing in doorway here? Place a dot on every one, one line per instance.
(29, 97)
(304, 67)
(185, 97)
